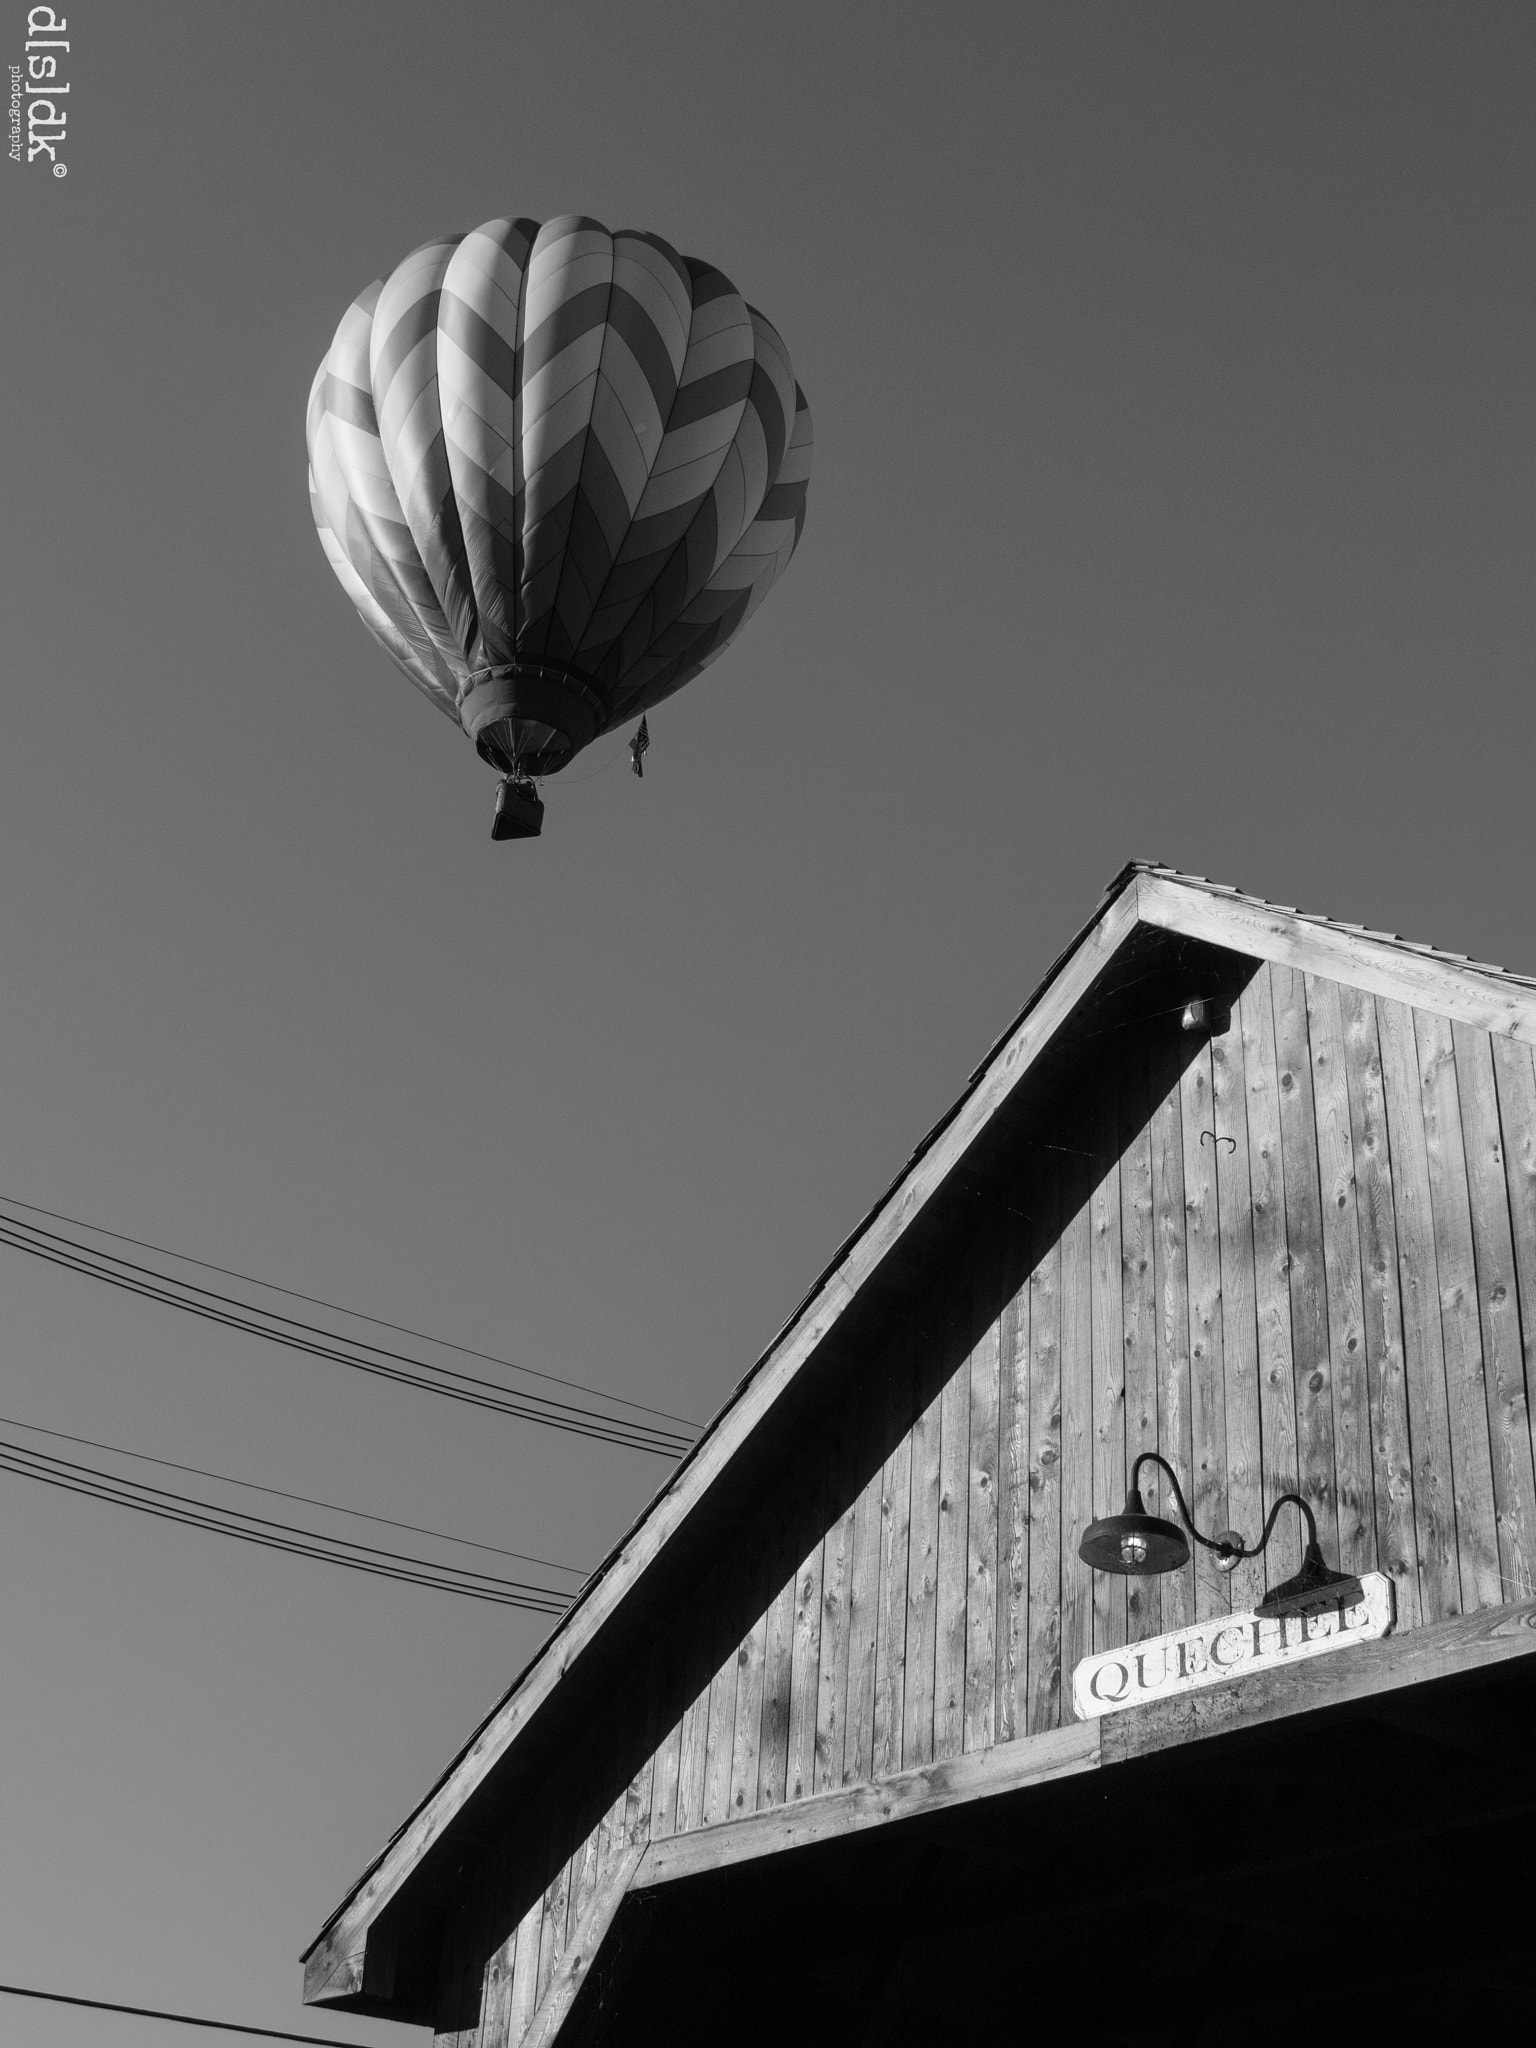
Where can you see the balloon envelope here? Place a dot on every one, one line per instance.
(556, 470)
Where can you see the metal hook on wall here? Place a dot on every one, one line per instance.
(1219, 1140)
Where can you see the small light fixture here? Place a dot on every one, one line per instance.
(1195, 1014)
(1138, 1545)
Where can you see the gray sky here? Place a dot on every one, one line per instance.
(1171, 369)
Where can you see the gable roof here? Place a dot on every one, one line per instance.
(1145, 898)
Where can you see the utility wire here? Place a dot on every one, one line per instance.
(309, 1338)
(357, 1314)
(268, 1534)
(178, 2019)
(308, 1500)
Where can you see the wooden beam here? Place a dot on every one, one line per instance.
(982, 1774)
(1401, 972)
(344, 1934)
(1369, 1671)
(581, 1951)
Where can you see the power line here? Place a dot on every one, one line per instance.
(268, 1534)
(308, 1500)
(178, 2019)
(357, 1314)
(165, 1288)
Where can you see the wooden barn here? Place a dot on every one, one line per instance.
(1245, 1187)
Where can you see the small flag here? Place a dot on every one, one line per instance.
(637, 748)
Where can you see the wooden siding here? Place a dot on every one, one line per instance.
(1296, 1254)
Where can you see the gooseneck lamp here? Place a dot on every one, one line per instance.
(1138, 1545)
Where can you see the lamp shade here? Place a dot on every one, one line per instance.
(1134, 1543)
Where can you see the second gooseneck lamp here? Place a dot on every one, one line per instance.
(1138, 1545)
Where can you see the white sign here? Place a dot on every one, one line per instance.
(1229, 1646)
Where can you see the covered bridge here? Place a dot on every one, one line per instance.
(802, 1764)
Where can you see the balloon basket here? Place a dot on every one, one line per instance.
(519, 812)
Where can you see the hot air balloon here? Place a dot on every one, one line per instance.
(556, 470)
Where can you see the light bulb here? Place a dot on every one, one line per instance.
(1133, 1549)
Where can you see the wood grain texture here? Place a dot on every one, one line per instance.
(1397, 1542)
(1509, 1422)
(525, 1973)
(922, 1571)
(778, 1658)
(1311, 1359)
(836, 1580)
(1207, 1475)
(981, 1581)
(805, 1663)
(751, 1666)
(1013, 1474)
(1477, 1540)
(720, 1730)
(496, 2004)
(1239, 1314)
(1175, 1437)
(1138, 1296)
(1076, 1414)
(864, 1589)
(1271, 1272)
(895, 1527)
(1347, 1369)
(695, 1743)
(1108, 1361)
(1419, 1293)
(951, 1623)
(1044, 1690)
(1515, 1074)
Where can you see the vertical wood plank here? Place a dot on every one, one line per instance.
(1515, 1074)
(584, 1863)
(1304, 1238)
(496, 2004)
(525, 1972)
(954, 1509)
(1419, 1295)
(1239, 1313)
(1175, 1434)
(1138, 1296)
(695, 1744)
(1207, 1477)
(895, 1523)
(552, 1928)
(1509, 1422)
(669, 1756)
(1352, 1462)
(1076, 1403)
(922, 1569)
(1477, 1542)
(805, 1667)
(638, 1793)
(751, 1658)
(981, 1590)
(836, 1581)
(1460, 1326)
(720, 1736)
(778, 1659)
(1044, 1445)
(1271, 1272)
(864, 1591)
(1108, 1362)
(1397, 1542)
(1013, 1472)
